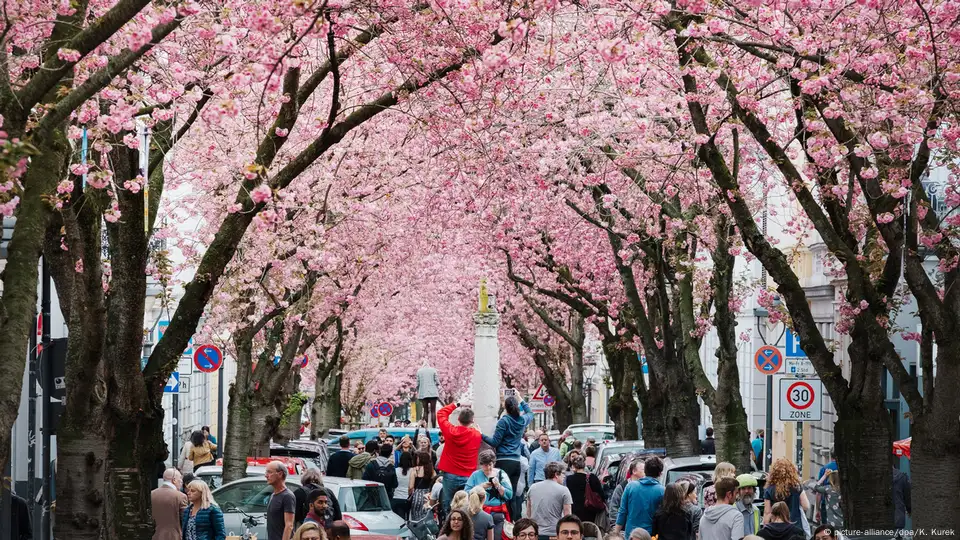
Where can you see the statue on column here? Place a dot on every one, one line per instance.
(428, 392)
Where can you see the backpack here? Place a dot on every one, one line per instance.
(383, 474)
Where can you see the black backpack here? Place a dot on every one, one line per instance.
(383, 474)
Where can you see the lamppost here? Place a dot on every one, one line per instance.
(588, 392)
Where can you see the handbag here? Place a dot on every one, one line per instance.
(591, 499)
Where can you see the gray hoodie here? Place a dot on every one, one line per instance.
(721, 522)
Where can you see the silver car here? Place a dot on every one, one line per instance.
(365, 505)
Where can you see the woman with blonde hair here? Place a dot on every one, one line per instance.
(461, 500)
(722, 470)
(482, 521)
(830, 491)
(309, 531)
(202, 518)
(783, 485)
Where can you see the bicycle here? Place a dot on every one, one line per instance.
(425, 528)
(249, 524)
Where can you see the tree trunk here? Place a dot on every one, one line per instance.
(264, 422)
(135, 447)
(239, 434)
(674, 414)
(81, 457)
(935, 450)
(325, 411)
(731, 433)
(622, 406)
(726, 403)
(20, 277)
(864, 459)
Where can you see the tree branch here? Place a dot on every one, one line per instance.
(99, 80)
(54, 69)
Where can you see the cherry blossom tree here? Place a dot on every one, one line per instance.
(54, 58)
(233, 72)
(828, 120)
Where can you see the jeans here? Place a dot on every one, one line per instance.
(401, 507)
(512, 468)
(429, 411)
(451, 484)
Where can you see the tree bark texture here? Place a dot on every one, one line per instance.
(325, 409)
(935, 449)
(20, 276)
(622, 406)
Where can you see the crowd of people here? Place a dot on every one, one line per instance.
(184, 508)
(516, 484)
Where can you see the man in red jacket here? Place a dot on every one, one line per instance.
(459, 457)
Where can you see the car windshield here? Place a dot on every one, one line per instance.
(371, 498)
(212, 480)
(619, 450)
(677, 474)
(250, 497)
(596, 435)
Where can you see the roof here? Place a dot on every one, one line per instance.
(615, 444)
(707, 461)
(327, 480)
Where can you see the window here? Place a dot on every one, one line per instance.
(213, 480)
(364, 499)
(251, 497)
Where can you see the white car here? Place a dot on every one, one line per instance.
(365, 505)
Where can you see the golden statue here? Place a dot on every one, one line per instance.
(484, 297)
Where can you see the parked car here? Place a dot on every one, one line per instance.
(364, 435)
(618, 468)
(675, 468)
(365, 505)
(600, 425)
(615, 448)
(295, 465)
(601, 434)
(314, 453)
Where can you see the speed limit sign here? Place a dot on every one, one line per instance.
(801, 400)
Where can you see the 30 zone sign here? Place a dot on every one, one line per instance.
(801, 400)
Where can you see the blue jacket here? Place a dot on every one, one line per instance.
(209, 523)
(508, 436)
(640, 502)
(493, 498)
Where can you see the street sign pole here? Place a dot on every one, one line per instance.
(220, 415)
(174, 449)
(768, 360)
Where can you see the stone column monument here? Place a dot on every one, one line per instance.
(486, 362)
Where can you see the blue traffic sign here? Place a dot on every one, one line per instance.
(793, 346)
(208, 358)
(374, 412)
(173, 384)
(768, 360)
(385, 409)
